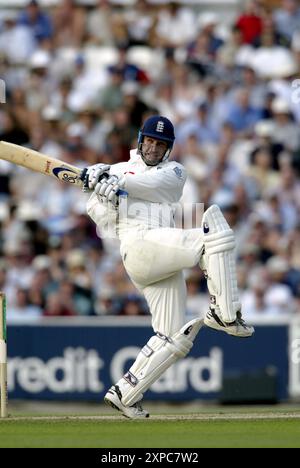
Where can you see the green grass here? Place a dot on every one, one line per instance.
(160, 433)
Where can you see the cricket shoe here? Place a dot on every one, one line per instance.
(237, 328)
(114, 398)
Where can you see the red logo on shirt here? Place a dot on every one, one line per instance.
(129, 172)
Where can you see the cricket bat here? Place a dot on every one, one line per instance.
(42, 163)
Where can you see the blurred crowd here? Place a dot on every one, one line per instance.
(80, 80)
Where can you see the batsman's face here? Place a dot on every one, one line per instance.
(153, 150)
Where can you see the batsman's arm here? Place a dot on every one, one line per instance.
(164, 185)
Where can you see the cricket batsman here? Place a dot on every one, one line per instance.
(155, 253)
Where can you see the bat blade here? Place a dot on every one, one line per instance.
(40, 162)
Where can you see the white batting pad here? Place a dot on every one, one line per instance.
(218, 262)
(155, 358)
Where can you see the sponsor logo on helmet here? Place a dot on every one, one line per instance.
(160, 126)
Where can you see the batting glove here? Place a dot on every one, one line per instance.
(107, 190)
(94, 174)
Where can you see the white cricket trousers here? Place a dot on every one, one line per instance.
(154, 260)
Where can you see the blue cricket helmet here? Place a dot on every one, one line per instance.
(160, 128)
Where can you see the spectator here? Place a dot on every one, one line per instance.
(77, 269)
(69, 21)
(285, 131)
(263, 139)
(228, 53)
(129, 71)
(196, 161)
(39, 22)
(254, 301)
(133, 305)
(58, 306)
(289, 185)
(200, 56)
(242, 115)
(279, 294)
(107, 303)
(257, 90)
(208, 23)
(281, 215)
(99, 24)
(59, 100)
(16, 40)
(250, 22)
(135, 107)
(122, 135)
(261, 174)
(75, 148)
(12, 131)
(39, 85)
(270, 35)
(287, 18)
(97, 127)
(23, 310)
(140, 21)
(86, 84)
(176, 26)
(200, 126)
(111, 97)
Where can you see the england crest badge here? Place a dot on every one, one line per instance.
(178, 172)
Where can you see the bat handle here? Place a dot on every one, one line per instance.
(84, 177)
